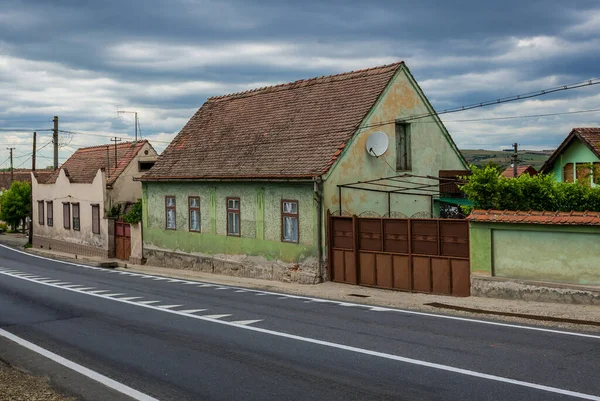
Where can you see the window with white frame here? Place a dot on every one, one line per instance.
(194, 211)
(233, 217)
(290, 230)
(170, 213)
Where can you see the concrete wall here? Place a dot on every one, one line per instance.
(431, 146)
(69, 240)
(260, 242)
(560, 254)
(136, 244)
(577, 152)
(124, 189)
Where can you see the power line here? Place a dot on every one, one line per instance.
(102, 135)
(511, 117)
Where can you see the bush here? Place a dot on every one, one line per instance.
(487, 189)
(135, 213)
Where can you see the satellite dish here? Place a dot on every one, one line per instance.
(377, 143)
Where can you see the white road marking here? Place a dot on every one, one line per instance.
(73, 286)
(47, 281)
(63, 283)
(97, 291)
(159, 278)
(130, 298)
(379, 309)
(84, 288)
(168, 306)
(192, 310)
(147, 302)
(221, 288)
(402, 311)
(241, 291)
(110, 383)
(246, 322)
(189, 282)
(260, 293)
(113, 295)
(214, 317)
(174, 280)
(417, 362)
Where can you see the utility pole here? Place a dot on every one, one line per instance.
(33, 153)
(12, 173)
(515, 159)
(55, 142)
(115, 140)
(136, 120)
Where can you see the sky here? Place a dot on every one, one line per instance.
(84, 60)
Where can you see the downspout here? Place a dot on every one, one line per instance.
(317, 185)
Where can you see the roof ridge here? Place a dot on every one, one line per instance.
(110, 144)
(307, 81)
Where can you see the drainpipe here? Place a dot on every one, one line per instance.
(317, 185)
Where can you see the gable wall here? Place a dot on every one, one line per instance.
(431, 152)
(576, 152)
(124, 189)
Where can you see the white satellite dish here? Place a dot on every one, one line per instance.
(377, 143)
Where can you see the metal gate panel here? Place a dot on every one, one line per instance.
(461, 278)
(367, 268)
(395, 235)
(384, 270)
(421, 272)
(402, 273)
(440, 276)
(454, 238)
(337, 262)
(424, 237)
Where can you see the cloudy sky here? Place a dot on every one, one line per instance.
(81, 60)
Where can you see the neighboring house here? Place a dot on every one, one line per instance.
(245, 187)
(576, 157)
(510, 172)
(71, 207)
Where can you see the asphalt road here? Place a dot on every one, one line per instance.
(184, 340)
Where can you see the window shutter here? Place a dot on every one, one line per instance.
(568, 172)
(584, 174)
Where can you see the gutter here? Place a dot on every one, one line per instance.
(317, 187)
(217, 179)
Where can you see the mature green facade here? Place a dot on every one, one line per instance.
(562, 254)
(260, 214)
(576, 152)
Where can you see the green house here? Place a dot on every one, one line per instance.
(577, 158)
(246, 186)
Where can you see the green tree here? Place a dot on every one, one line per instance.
(15, 204)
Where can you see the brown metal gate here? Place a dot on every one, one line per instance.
(122, 240)
(417, 255)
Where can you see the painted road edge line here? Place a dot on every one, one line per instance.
(324, 300)
(106, 381)
(349, 348)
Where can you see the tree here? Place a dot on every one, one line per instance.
(15, 204)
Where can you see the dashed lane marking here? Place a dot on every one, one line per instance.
(168, 306)
(97, 291)
(113, 295)
(130, 298)
(215, 316)
(246, 322)
(192, 310)
(148, 302)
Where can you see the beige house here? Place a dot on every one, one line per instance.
(75, 209)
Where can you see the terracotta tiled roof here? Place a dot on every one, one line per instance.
(555, 218)
(508, 173)
(83, 165)
(293, 130)
(588, 136)
(21, 175)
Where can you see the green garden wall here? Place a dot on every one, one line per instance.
(260, 217)
(561, 254)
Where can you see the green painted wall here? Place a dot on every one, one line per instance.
(260, 217)
(576, 152)
(431, 151)
(562, 254)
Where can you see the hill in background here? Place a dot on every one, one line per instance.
(480, 157)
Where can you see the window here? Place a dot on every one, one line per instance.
(194, 210)
(145, 166)
(96, 219)
(233, 217)
(170, 213)
(50, 214)
(76, 222)
(403, 148)
(41, 213)
(568, 173)
(67, 215)
(289, 221)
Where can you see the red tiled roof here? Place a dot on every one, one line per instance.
(508, 173)
(83, 165)
(588, 136)
(21, 175)
(293, 130)
(532, 217)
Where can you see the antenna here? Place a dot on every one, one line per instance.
(377, 143)
(135, 122)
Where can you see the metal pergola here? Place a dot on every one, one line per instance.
(403, 184)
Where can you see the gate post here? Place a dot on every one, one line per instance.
(329, 242)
